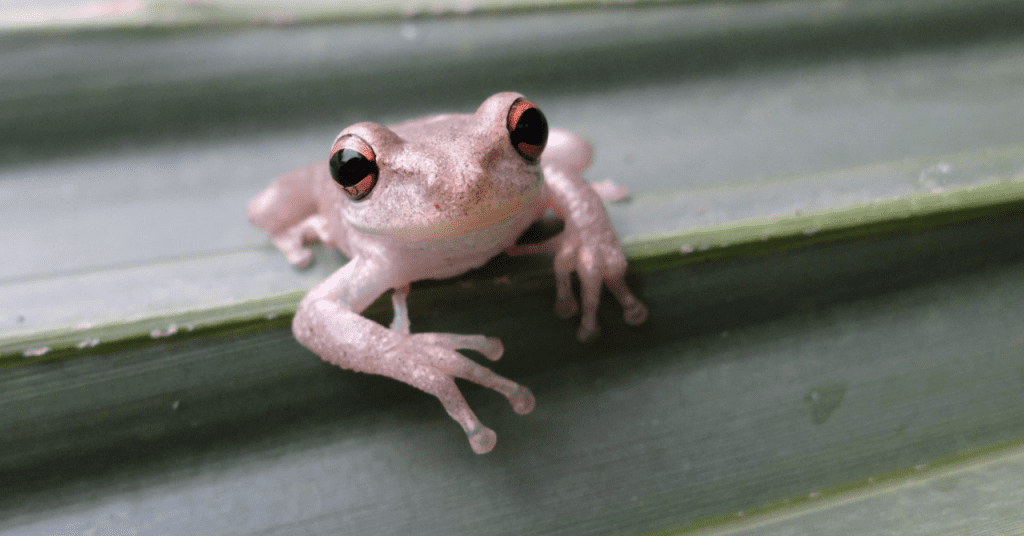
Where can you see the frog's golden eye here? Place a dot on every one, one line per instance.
(527, 129)
(354, 166)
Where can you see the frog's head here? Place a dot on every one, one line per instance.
(444, 175)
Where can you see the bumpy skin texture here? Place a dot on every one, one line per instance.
(452, 192)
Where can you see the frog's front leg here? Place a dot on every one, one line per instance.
(328, 322)
(587, 245)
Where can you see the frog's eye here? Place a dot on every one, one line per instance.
(527, 129)
(354, 166)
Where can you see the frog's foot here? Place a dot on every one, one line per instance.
(597, 260)
(436, 363)
(481, 438)
(596, 263)
(293, 249)
(565, 304)
(633, 310)
(444, 357)
(490, 347)
(291, 241)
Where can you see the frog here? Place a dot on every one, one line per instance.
(431, 199)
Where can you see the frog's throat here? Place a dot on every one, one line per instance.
(494, 216)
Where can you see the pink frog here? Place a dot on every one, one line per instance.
(431, 199)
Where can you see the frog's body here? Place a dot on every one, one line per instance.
(431, 199)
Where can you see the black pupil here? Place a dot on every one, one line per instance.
(531, 128)
(349, 167)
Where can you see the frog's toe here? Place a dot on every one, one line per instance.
(522, 401)
(291, 245)
(633, 310)
(589, 330)
(300, 258)
(635, 314)
(565, 304)
(492, 348)
(482, 439)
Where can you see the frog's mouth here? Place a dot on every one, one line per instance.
(496, 217)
